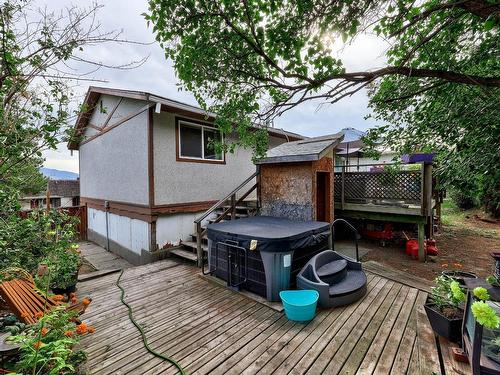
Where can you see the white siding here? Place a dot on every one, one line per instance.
(172, 228)
(114, 166)
(130, 233)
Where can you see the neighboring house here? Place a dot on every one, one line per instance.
(147, 169)
(350, 153)
(62, 193)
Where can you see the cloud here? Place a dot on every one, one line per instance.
(157, 75)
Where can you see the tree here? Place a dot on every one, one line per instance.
(250, 61)
(36, 47)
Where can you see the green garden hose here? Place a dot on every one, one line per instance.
(144, 339)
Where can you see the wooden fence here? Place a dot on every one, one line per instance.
(77, 211)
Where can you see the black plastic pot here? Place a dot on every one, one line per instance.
(459, 275)
(67, 290)
(450, 329)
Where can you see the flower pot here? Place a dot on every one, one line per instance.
(450, 329)
(496, 257)
(459, 275)
(62, 291)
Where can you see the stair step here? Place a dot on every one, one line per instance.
(204, 239)
(352, 282)
(237, 214)
(193, 245)
(332, 268)
(245, 208)
(185, 254)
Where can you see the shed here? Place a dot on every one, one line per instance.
(296, 179)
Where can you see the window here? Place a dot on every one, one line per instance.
(196, 142)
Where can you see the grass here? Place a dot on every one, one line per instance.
(456, 218)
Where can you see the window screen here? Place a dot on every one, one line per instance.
(209, 137)
(190, 141)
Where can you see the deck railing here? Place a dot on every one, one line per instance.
(234, 201)
(399, 183)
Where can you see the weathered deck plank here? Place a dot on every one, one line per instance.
(209, 328)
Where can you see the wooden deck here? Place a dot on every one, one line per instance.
(210, 329)
(100, 258)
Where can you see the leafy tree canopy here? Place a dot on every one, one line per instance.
(252, 60)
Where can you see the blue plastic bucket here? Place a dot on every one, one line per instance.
(300, 305)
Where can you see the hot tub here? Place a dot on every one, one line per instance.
(263, 254)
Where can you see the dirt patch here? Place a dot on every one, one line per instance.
(467, 245)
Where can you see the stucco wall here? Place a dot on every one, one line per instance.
(179, 182)
(130, 233)
(114, 166)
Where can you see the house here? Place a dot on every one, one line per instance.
(62, 193)
(147, 169)
(351, 154)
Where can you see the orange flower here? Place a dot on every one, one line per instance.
(74, 300)
(38, 314)
(68, 333)
(81, 329)
(91, 330)
(444, 265)
(86, 301)
(58, 297)
(37, 345)
(44, 331)
(458, 265)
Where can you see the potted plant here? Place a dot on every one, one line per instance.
(444, 308)
(457, 274)
(50, 345)
(61, 270)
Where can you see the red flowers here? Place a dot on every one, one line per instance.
(58, 298)
(44, 331)
(39, 314)
(86, 301)
(81, 328)
(68, 333)
(37, 345)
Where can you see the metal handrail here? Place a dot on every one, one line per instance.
(223, 200)
(351, 227)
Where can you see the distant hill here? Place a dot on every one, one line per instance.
(56, 174)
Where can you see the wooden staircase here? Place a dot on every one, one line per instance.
(188, 250)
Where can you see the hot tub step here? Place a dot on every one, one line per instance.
(333, 272)
(353, 281)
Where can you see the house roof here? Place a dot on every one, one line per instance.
(309, 149)
(64, 188)
(59, 189)
(167, 105)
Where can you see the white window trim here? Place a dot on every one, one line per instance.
(195, 125)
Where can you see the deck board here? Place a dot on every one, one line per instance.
(211, 329)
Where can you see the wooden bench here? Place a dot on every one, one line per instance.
(27, 303)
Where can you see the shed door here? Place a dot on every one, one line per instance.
(323, 196)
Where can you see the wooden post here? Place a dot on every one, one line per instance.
(343, 185)
(421, 242)
(199, 250)
(233, 206)
(47, 198)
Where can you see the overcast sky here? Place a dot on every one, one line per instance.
(157, 75)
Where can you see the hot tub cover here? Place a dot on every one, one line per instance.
(273, 234)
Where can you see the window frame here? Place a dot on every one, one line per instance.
(179, 121)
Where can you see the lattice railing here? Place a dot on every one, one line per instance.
(361, 187)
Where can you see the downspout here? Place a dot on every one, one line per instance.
(106, 206)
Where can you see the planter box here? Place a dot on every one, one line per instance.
(450, 329)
